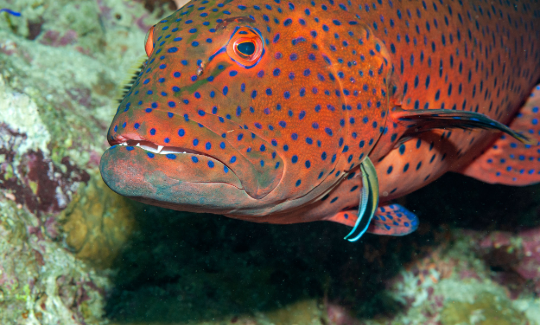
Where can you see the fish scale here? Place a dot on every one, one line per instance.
(307, 95)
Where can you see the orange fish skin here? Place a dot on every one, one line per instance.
(483, 62)
(311, 97)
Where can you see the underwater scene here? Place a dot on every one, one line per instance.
(321, 162)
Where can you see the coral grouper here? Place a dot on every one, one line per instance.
(297, 111)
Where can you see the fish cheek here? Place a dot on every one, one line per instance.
(294, 114)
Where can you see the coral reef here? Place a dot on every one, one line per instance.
(40, 282)
(60, 65)
(73, 252)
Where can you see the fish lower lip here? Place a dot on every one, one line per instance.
(179, 181)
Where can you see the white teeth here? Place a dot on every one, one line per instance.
(164, 152)
(148, 146)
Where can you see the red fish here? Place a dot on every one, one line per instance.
(298, 111)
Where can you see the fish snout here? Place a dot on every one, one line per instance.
(196, 148)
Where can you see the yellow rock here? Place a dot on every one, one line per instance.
(487, 309)
(304, 312)
(97, 223)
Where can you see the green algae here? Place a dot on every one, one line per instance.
(486, 309)
(31, 290)
(60, 65)
(72, 85)
(453, 286)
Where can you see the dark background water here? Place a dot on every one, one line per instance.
(183, 266)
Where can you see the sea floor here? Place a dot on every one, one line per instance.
(73, 252)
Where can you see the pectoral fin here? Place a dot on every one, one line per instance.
(507, 161)
(416, 121)
(389, 220)
(393, 220)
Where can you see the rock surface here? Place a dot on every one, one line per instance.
(60, 65)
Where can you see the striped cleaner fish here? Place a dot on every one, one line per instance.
(297, 111)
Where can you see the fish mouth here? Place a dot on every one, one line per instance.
(157, 149)
(193, 149)
(168, 176)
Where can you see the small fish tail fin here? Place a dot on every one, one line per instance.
(508, 161)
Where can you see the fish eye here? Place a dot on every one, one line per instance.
(149, 42)
(245, 48)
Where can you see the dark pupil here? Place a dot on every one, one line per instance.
(246, 48)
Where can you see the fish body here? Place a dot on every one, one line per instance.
(267, 111)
